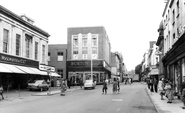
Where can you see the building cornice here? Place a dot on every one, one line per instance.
(17, 18)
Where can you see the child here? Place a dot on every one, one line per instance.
(104, 89)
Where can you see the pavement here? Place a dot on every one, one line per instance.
(162, 106)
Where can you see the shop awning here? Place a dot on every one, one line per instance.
(38, 71)
(55, 74)
(26, 69)
(12, 68)
(4, 69)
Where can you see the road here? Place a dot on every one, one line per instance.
(131, 99)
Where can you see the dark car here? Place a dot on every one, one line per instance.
(38, 85)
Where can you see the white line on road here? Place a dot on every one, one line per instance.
(118, 109)
(117, 99)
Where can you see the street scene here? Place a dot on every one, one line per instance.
(131, 99)
(92, 56)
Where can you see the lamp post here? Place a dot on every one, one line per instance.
(91, 61)
(49, 74)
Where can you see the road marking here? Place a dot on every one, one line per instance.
(118, 109)
(117, 99)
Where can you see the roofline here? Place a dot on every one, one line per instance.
(15, 17)
(165, 8)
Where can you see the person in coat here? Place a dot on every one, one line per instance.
(161, 88)
(104, 89)
(169, 91)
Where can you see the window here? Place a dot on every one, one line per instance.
(5, 40)
(94, 41)
(18, 39)
(75, 50)
(174, 40)
(28, 45)
(60, 72)
(36, 50)
(94, 50)
(49, 56)
(173, 18)
(43, 53)
(60, 56)
(84, 50)
(84, 42)
(178, 8)
(75, 42)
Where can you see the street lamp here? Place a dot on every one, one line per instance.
(49, 74)
(91, 61)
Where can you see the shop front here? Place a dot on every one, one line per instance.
(77, 70)
(174, 64)
(15, 72)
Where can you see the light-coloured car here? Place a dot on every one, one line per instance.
(89, 84)
(38, 85)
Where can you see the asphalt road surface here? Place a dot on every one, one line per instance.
(131, 99)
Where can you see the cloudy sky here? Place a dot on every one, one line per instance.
(130, 24)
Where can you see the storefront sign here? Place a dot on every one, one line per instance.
(17, 60)
(96, 63)
(46, 68)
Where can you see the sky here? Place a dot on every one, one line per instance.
(130, 24)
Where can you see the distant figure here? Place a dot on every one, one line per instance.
(104, 89)
(1, 91)
(81, 82)
(118, 87)
(183, 93)
(115, 86)
(155, 82)
(69, 83)
(161, 88)
(63, 87)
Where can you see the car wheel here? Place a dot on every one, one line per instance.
(41, 89)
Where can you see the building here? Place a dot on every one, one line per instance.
(174, 43)
(57, 57)
(88, 55)
(23, 47)
(153, 59)
(117, 65)
(160, 51)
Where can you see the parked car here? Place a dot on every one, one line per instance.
(89, 84)
(38, 85)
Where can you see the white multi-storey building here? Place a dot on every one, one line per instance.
(23, 47)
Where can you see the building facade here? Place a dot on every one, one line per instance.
(88, 55)
(174, 42)
(57, 57)
(23, 47)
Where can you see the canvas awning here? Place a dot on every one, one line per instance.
(26, 69)
(55, 74)
(4, 69)
(12, 68)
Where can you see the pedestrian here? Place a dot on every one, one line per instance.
(63, 87)
(183, 93)
(115, 84)
(169, 91)
(104, 89)
(161, 88)
(81, 82)
(1, 91)
(118, 80)
(148, 82)
(69, 83)
(151, 85)
(155, 83)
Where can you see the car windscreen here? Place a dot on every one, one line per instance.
(88, 81)
(38, 82)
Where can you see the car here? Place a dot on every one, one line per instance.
(38, 85)
(89, 84)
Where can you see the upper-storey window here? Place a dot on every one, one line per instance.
(178, 8)
(48, 56)
(36, 50)
(5, 40)
(60, 56)
(43, 53)
(75, 40)
(28, 40)
(173, 17)
(18, 41)
(84, 42)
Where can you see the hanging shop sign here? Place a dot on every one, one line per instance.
(46, 68)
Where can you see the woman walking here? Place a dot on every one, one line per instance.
(115, 86)
(161, 88)
(104, 89)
